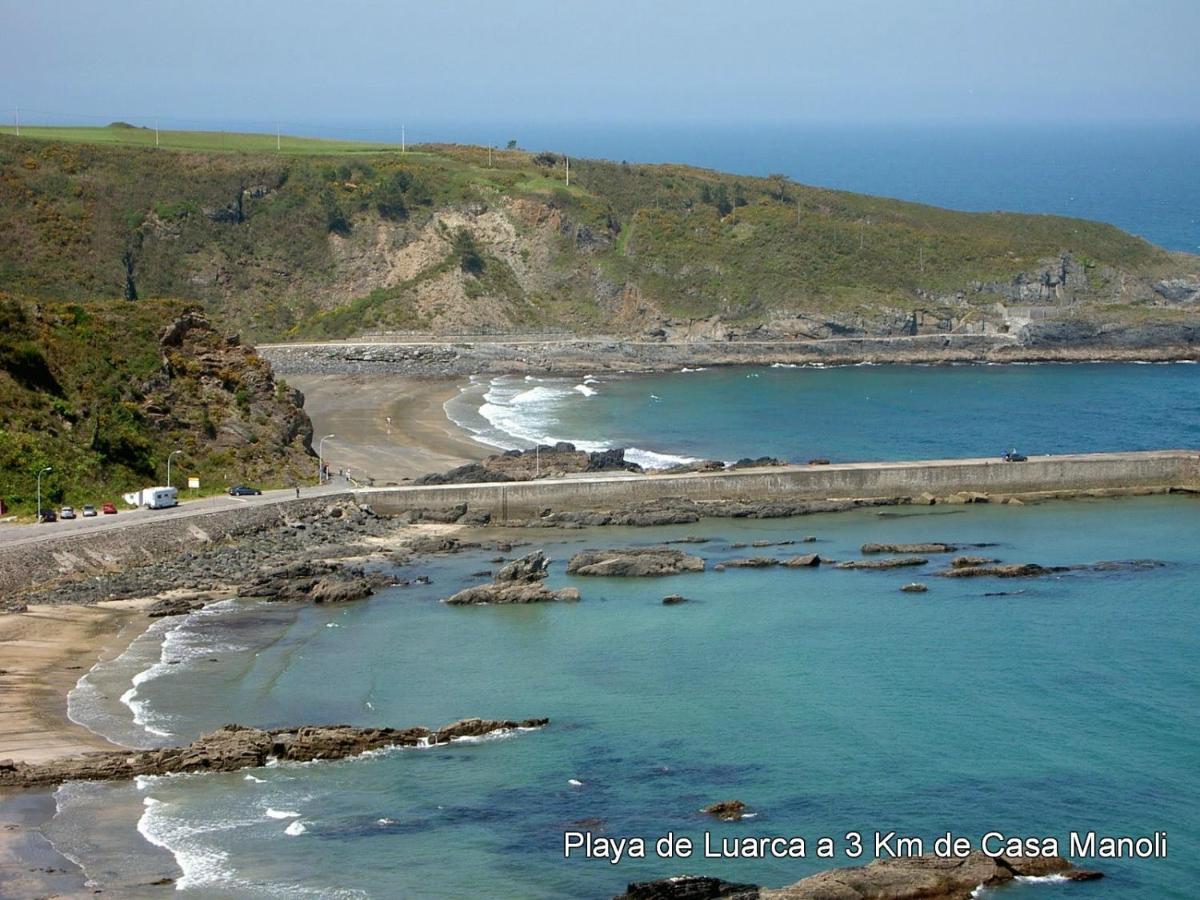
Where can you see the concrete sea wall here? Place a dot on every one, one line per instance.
(1064, 475)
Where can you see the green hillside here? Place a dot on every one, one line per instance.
(334, 239)
(103, 391)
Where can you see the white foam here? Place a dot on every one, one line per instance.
(200, 865)
(1043, 879)
(281, 814)
(519, 417)
(697, 369)
(296, 829)
(574, 782)
(251, 778)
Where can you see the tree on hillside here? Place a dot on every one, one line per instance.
(511, 145)
(470, 260)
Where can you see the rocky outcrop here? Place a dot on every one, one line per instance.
(674, 599)
(315, 581)
(1003, 570)
(238, 747)
(903, 878)
(689, 887)
(804, 561)
(541, 462)
(925, 877)
(680, 511)
(518, 582)
(726, 810)
(633, 562)
(753, 562)
(936, 547)
(914, 587)
(964, 562)
(891, 562)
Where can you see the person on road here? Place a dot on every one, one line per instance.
(297, 492)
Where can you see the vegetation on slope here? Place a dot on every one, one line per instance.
(333, 242)
(103, 391)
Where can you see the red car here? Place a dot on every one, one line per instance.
(109, 509)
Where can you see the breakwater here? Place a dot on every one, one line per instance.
(1039, 477)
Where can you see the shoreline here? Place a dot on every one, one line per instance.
(420, 439)
(46, 650)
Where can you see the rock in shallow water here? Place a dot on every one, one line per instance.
(633, 562)
(238, 747)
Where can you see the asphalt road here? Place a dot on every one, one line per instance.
(14, 534)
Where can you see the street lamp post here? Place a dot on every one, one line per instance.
(39, 490)
(169, 455)
(321, 458)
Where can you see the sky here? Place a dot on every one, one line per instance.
(528, 61)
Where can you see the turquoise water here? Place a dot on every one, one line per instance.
(827, 700)
(847, 413)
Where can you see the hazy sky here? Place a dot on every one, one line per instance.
(302, 61)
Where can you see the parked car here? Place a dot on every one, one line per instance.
(240, 490)
(109, 508)
(48, 516)
(89, 511)
(66, 513)
(1014, 456)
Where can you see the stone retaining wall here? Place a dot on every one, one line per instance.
(112, 548)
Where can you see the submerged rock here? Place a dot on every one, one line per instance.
(1006, 570)
(934, 547)
(804, 561)
(633, 562)
(727, 810)
(674, 599)
(914, 587)
(892, 562)
(238, 747)
(963, 562)
(754, 562)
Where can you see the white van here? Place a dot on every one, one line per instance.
(154, 497)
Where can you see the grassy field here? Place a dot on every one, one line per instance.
(209, 141)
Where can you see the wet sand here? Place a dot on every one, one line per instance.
(43, 653)
(356, 408)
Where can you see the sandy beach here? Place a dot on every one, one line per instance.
(356, 408)
(43, 653)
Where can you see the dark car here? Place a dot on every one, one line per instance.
(1014, 456)
(109, 508)
(240, 490)
(48, 516)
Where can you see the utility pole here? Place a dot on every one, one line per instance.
(276, 137)
(18, 135)
(403, 149)
(568, 159)
(489, 156)
(156, 145)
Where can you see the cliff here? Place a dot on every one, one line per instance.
(452, 240)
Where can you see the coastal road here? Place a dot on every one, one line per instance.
(12, 535)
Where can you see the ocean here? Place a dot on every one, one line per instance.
(827, 700)
(845, 414)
